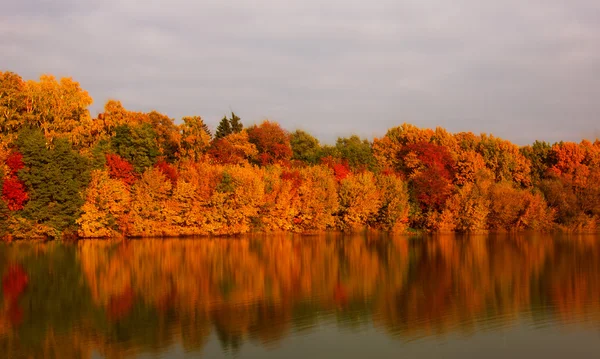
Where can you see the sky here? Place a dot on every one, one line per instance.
(522, 70)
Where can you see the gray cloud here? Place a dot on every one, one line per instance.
(521, 70)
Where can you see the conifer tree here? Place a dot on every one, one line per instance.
(236, 123)
(224, 128)
(55, 179)
(227, 126)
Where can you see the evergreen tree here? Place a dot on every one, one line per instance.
(236, 123)
(224, 128)
(228, 126)
(55, 179)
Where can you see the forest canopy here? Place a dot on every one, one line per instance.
(134, 174)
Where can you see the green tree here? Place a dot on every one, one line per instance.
(224, 128)
(136, 144)
(227, 126)
(305, 147)
(357, 152)
(236, 123)
(539, 156)
(55, 179)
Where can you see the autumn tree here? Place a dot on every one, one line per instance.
(392, 214)
(12, 102)
(107, 200)
(119, 168)
(13, 190)
(195, 139)
(233, 149)
(272, 143)
(60, 109)
(148, 209)
(359, 200)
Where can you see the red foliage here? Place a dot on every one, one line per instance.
(120, 168)
(168, 170)
(14, 282)
(340, 168)
(433, 156)
(272, 143)
(15, 162)
(432, 189)
(223, 152)
(433, 182)
(13, 193)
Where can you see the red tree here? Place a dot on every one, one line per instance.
(13, 193)
(340, 167)
(168, 170)
(15, 162)
(432, 179)
(272, 143)
(120, 168)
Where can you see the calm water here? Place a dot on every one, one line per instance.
(316, 297)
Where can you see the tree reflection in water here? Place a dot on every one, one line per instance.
(124, 298)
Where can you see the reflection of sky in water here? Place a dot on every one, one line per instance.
(350, 297)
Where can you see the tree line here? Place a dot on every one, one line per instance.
(127, 173)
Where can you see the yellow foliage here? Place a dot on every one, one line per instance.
(359, 200)
(107, 200)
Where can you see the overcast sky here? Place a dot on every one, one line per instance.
(522, 70)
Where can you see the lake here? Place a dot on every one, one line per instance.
(351, 296)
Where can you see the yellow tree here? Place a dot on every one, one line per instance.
(236, 201)
(359, 200)
(317, 203)
(60, 109)
(148, 210)
(195, 138)
(106, 201)
(392, 215)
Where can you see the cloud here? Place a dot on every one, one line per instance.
(522, 70)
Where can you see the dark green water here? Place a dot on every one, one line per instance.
(303, 297)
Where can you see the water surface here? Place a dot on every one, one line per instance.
(297, 297)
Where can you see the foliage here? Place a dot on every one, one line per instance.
(272, 143)
(195, 138)
(136, 144)
(305, 147)
(54, 178)
(119, 168)
(152, 177)
(229, 126)
(356, 152)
